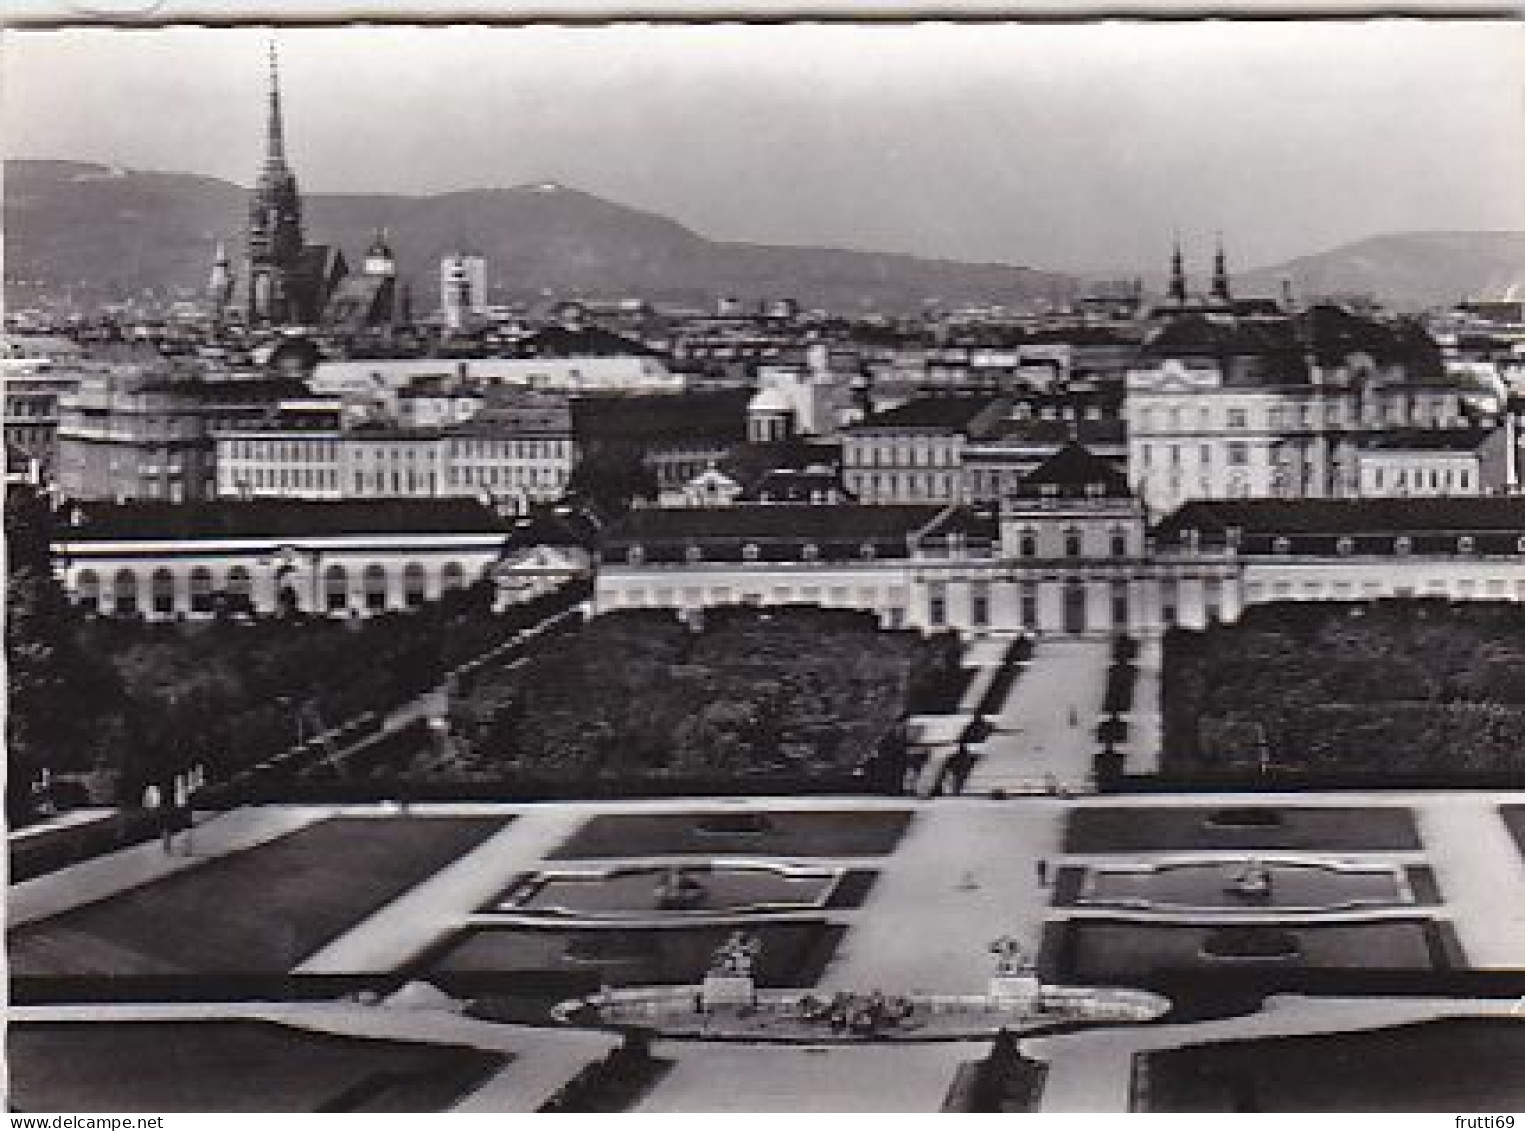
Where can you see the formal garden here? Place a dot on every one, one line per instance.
(1460, 1064)
(140, 702)
(1416, 687)
(250, 915)
(789, 694)
(254, 1066)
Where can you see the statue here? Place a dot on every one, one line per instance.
(1254, 882)
(736, 956)
(729, 983)
(679, 891)
(1015, 981)
(1010, 957)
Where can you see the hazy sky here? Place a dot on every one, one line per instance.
(1056, 146)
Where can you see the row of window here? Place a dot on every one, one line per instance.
(1175, 418)
(1074, 542)
(1236, 454)
(327, 450)
(931, 487)
(1441, 480)
(395, 482)
(860, 454)
(238, 587)
(1492, 588)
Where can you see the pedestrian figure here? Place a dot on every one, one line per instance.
(1042, 872)
(1074, 716)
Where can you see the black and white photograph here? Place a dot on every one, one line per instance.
(802, 567)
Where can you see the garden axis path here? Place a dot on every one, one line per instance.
(1045, 731)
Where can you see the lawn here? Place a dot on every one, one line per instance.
(1250, 826)
(1070, 883)
(506, 958)
(255, 1066)
(261, 911)
(1513, 817)
(1412, 686)
(1470, 1065)
(800, 832)
(1133, 952)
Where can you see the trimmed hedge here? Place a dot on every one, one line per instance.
(1413, 687)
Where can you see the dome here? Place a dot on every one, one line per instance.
(769, 401)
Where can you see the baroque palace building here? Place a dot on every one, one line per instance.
(1070, 552)
(1229, 404)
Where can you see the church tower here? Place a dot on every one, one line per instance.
(220, 282)
(1220, 290)
(1177, 276)
(275, 223)
(379, 260)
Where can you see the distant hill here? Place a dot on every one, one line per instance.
(110, 234)
(1408, 271)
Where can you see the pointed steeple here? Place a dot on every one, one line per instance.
(1177, 275)
(275, 135)
(1220, 273)
(220, 281)
(275, 222)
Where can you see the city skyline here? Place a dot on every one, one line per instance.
(1077, 148)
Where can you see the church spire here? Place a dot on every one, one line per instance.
(1177, 275)
(275, 136)
(1220, 273)
(277, 290)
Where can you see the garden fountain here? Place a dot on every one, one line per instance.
(728, 1005)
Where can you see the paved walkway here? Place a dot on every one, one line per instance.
(1480, 873)
(1035, 742)
(410, 924)
(965, 874)
(65, 820)
(819, 1078)
(102, 876)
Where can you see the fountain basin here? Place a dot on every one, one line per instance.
(654, 891)
(1215, 884)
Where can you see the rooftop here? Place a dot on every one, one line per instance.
(662, 416)
(1429, 440)
(275, 518)
(781, 531)
(1073, 472)
(942, 414)
(1348, 516)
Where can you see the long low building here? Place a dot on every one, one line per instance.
(189, 560)
(1348, 550)
(1068, 553)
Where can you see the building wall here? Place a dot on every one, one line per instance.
(331, 465)
(973, 597)
(572, 374)
(166, 580)
(903, 467)
(1396, 473)
(1193, 435)
(1056, 598)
